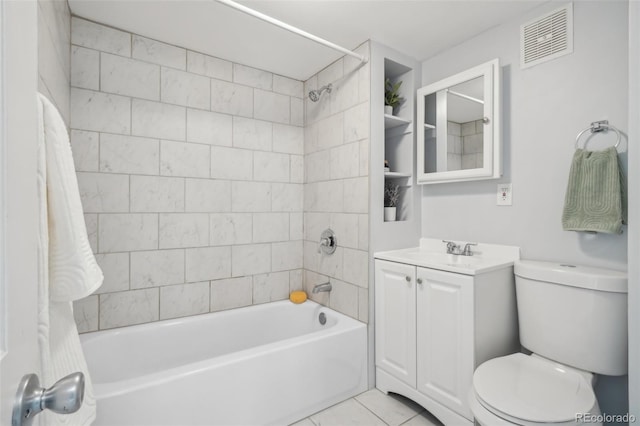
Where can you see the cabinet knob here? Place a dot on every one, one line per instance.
(408, 278)
(419, 280)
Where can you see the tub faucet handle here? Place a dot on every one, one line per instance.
(323, 242)
(328, 242)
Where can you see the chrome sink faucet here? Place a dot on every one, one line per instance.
(453, 248)
(466, 251)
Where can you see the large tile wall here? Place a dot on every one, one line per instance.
(54, 44)
(336, 194)
(190, 169)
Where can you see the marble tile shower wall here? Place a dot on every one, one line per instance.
(336, 194)
(190, 169)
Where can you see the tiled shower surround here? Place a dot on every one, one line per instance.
(336, 190)
(191, 172)
(191, 175)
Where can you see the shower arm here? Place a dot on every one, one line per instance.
(292, 29)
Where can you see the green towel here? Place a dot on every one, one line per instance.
(596, 195)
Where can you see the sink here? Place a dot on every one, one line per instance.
(452, 259)
(444, 258)
(432, 254)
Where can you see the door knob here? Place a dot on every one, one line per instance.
(64, 397)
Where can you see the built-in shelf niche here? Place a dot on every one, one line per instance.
(399, 138)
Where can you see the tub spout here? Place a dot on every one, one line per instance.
(321, 287)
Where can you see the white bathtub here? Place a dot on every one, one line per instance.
(270, 364)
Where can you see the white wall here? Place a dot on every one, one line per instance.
(544, 108)
(54, 43)
(190, 170)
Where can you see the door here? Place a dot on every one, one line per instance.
(18, 222)
(445, 337)
(396, 320)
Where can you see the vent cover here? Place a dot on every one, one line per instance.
(547, 37)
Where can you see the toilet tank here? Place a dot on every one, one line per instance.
(575, 315)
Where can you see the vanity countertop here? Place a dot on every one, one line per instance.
(432, 253)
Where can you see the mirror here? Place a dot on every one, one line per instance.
(458, 127)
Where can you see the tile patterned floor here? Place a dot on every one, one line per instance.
(372, 408)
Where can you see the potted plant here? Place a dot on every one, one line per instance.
(391, 96)
(391, 197)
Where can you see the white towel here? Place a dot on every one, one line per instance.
(67, 268)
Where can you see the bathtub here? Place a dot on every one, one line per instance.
(270, 364)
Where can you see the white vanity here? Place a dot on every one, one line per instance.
(438, 316)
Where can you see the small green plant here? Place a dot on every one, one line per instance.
(391, 96)
(391, 194)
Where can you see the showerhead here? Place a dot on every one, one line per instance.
(314, 95)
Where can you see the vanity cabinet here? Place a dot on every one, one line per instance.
(434, 327)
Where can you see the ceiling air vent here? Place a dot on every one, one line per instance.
(547, 37)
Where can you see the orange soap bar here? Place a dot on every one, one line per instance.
(298, 296)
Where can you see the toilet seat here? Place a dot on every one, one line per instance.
(526, 390)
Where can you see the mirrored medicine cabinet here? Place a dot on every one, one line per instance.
(458, 124)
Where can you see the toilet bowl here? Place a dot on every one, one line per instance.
(521, 389)
(562, 309)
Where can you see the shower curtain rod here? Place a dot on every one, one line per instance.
(292, 29)
(462, 95)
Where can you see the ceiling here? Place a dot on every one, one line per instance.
(417, 28)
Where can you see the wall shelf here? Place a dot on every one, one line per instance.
(397, 175)
(391, 121)
(397, 132)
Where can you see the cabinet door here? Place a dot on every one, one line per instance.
(469, 100)
(396, 320)
(445, 337)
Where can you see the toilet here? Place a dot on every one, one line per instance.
(574, 321)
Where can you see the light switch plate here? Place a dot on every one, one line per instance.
(505, 192)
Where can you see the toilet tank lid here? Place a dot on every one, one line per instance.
(573, 275)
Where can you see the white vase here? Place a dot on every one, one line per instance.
(389, 214)
(388, 110)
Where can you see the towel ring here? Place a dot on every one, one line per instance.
(596, 127)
